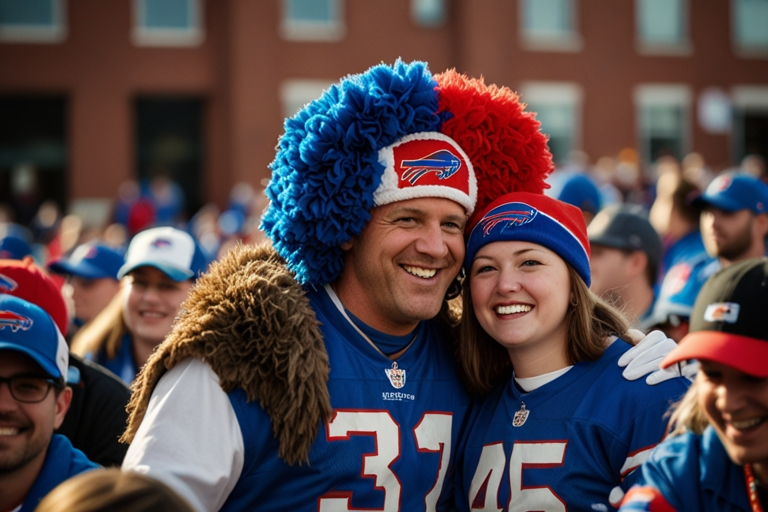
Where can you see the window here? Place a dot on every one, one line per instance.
(558, 108)
(295, 94)
(33, 21)
(750, 19)
(549, 25)
(428, 13)
(663, 116)
(167, 22)
(750, 123)
(312, 20)
(662, 26)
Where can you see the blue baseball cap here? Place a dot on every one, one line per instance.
(581, 192)
(732, 192)
(14, 248)
(26, 328)
(170, 250)
(90, 261)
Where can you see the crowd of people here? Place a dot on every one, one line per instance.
(427, 315)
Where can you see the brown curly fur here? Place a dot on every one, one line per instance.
(252, 323)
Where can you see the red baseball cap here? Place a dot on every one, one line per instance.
(26, 280)
(728, 321)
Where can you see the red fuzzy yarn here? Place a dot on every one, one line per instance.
(503, 142)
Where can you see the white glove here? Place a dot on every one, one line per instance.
(644, 358)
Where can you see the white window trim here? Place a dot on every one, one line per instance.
(682, 48)
(334, 30)
(301, 91)
(569, 43)
(54, 34)
(168, 37)
(745, 52)
(750, 97)
(557, 93)
(678, 95)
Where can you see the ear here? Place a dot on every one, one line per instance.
(761, 223)
(348, 244)
(62, 406)
(638, 260)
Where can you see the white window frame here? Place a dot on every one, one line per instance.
(683, 47)
(296, 93)
(416, 8)
(296, 30)
(676, 95)
(53, 34)
(748, 51)
(557, 93)
(570, 41)
(168, 37)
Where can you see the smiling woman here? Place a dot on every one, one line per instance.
(160, 270)
(718, 457)
(557, 414)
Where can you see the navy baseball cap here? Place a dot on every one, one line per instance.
(732, 192)
(170, 250)
(14, 248)
(90, 261)
(26, 328)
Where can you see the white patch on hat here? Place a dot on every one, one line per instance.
(722, 312)
(62, 353)
(427, 164)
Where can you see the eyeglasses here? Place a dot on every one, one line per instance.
(29, 389)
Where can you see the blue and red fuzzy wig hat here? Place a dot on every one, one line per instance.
(389, 134)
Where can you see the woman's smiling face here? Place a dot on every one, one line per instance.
(520, 294)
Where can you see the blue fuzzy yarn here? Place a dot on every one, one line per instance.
(326, 168)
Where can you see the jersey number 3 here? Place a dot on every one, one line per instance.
(432, 434)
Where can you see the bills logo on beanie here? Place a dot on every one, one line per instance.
(427, 164)
(536, 218)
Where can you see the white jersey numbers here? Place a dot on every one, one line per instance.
(484, 490)
(432, 434)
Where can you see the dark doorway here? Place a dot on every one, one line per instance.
(169, 145)
(33, 154)
(751, 134)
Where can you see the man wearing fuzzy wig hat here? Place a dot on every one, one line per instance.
(317, 373)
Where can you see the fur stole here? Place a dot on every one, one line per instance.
(250, 320)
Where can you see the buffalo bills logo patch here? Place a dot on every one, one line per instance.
(443, 163)
(7, 284)
(507, 219)
(160, 243)
(721, 183)
(15, 321)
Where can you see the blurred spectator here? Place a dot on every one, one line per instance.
(696, 171)
(578, 190)
(91, 271)
(97, 415)
(161, 265)
(604, 173)
(734, 223)
(33, 359)
(15, 241)
(167, 198)
(112, 490)
(626, 253)
(754, 165)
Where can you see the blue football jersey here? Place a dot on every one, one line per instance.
(565, 445)
(392, 439)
